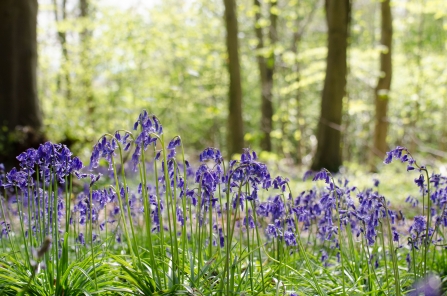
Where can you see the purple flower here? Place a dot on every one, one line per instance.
(174, 143)
(420, 181)
(402, 154)
(324, 256)
(136, 157)
(322, 175)
(211, 154)
(388, 158)
(249, 222)
(81, 238)
(408, 260)
(429, 286)
(94, 179)
(289, 238)
(280, 183)
(418, 225)
(180, 217)
(376, 182)
(221, 238)
(395, 234)
(273, 231)
(16, 178)
(307, 175)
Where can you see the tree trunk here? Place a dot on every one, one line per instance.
(384, 83)
(19, 105)
(266, 70)
(300, 28)
(235, 134)
(328, 154)
(62, 37)
(86, 74)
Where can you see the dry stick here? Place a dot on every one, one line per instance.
(40, 253)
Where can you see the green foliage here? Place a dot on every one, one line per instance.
(171, 57)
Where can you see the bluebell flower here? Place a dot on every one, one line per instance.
(395, 234)
(238, 199)
(418, 231)
(94, 179)
(411, 200)
(428, 286)
(403, 155)
(81, 238)
(418, 225)
(273, 231)
(376, 182)
(16, 178)
(324, 256)
(408, 260)
(249, 222)
(420, 181)
(290, 239)
(322, 175)
(175, 142)
(180, 217)
(28, 159)
(211, 154)
(136, 158)
(307, 175)
(221, 238)
(280, 183)
(303, 216)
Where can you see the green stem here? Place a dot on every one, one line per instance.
(91, 239)
(384, 257)
(391, 249)
(147, 210)
(162, 235)
(427, 237)
(258, 241)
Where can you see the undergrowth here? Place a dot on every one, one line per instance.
(154, 225)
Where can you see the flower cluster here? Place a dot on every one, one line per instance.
(204, 207)
(150, 131)
(51, 161)
(403, 155)
(418, 232)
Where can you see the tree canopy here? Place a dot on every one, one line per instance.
(170, 57)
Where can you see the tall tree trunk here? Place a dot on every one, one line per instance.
(384, 83)
(328, 154)
(86, 75)
(62, 37)
(415, 114)
(19, 105)
(266, 70)
(300, 28)
(235, 133)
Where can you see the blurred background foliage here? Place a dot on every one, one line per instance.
(169, 57)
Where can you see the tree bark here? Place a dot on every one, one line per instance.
(19, 105)
(62, 37)
(300, 28)
(266, 70)
(235, 134)
(328, 154)
(18, 61)
(380, 146)
(85, 37)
